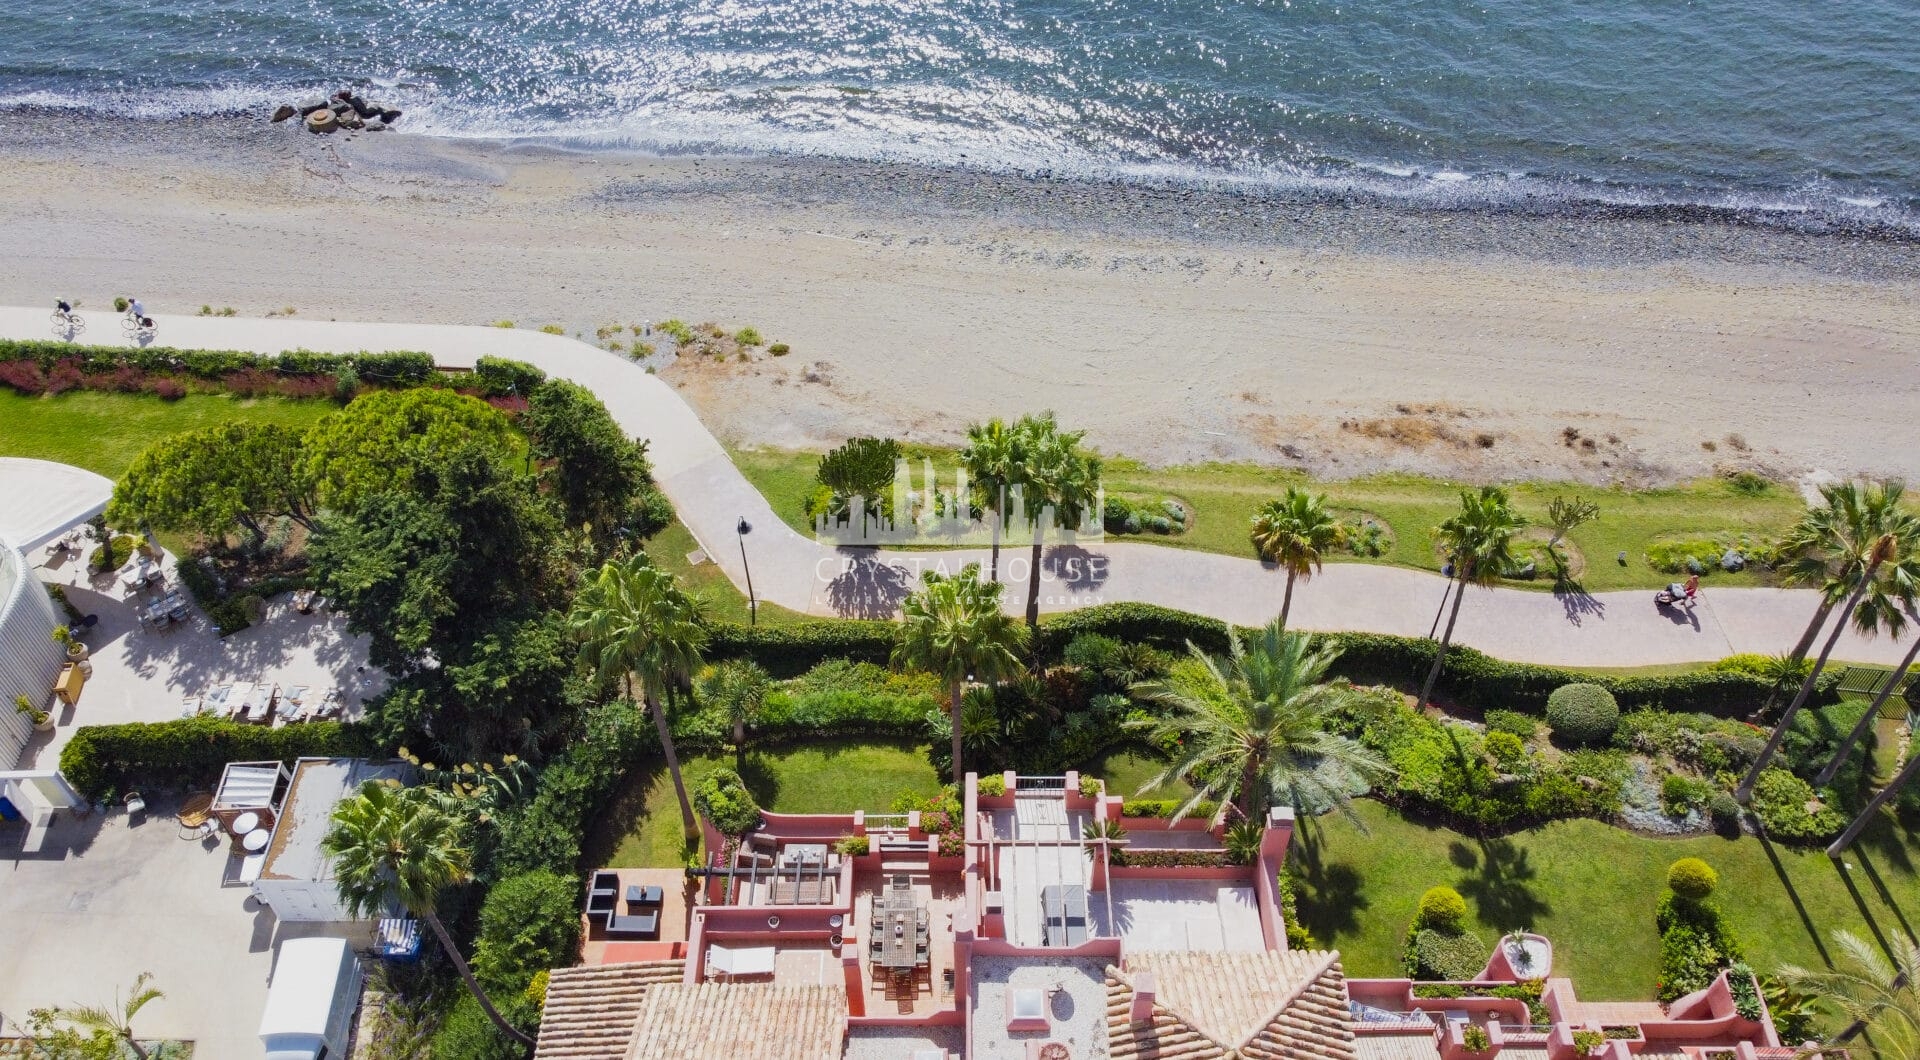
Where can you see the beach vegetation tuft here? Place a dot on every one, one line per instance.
(503, 323)
(748, 337)
(552, 329)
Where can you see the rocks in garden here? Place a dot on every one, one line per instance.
(1732, 560)
(346, 109)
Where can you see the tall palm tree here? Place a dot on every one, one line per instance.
(96, 1018)
(955, 629)
(1256, 729)
(992, 459)
(396, 845)
(631, 620)
(1872, 712)
(1880, 995)
(1295, 532)
(1480, 538)
(739, 688)
(1053, 471)
(1872, 548)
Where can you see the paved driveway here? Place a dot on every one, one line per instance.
(106, 900)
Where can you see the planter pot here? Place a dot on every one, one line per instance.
(76, 650)
(44, 724)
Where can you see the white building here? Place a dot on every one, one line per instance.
(296, 879)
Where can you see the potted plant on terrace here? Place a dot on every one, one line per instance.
(76, 651)
(42, 721)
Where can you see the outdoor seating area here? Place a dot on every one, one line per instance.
(643, 905)
(899, 943)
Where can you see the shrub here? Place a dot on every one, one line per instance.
(528, 923)
(1725, 813)
(1782, 802)
(1505, 748)
(1695, 943)
(545, 831)
(785, 651)
(853, 846)
(992, 785)
(1680, 793)
(682, 334)
(552, 329)
(1166, 808)
(1440, 955)
(193, 751)
(1474, 1038)
(1692, 878)
(723, 799)
(1745, 990)
(467, 1034)
(779, 349)
(1298, 937)
(1169, 859)
(1090, 786)
(1748, 484)
(1582, 713)
(500, 376)
(1512, 721)
(748, 337)
(1442, 909)
(1585, 1042)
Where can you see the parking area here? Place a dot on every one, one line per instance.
(108, 898)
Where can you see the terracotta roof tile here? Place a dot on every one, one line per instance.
(741, 1021)
(590, 1011)
(1267, 1005)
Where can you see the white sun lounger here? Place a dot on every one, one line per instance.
(753, 960)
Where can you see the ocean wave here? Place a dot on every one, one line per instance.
(807, 124)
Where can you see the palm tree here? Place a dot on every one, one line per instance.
(1257, 729)
(992, 459)
(1880, 995)
(396, 845)
(1479, 537)
(1295, 532)
(955, 629)
(1053, 471)
(97, 1018)
(1873, 712)
(739, 688)
(632, 619)
(1872, 548)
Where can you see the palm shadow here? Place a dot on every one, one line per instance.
(1793, 896)
(868, 588)
(1501, 882)
(1578, 603)
(759, 776)
(1328, 897)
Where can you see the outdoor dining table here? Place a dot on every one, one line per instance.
(244, 823)
(902, 931)
(256, 840)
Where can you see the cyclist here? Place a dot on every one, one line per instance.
(137, 311)
(65, 309)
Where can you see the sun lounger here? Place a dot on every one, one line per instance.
(752, 960)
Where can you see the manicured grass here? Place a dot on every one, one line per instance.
(1223, 498)
(1592, 888)
(1126, 771)
(669, 550)
(103, 432)
(641, 825)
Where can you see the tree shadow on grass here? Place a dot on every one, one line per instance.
(757, 771)
(1328, 897)
(1886, 896)
(1500, 882)
(1793, 895)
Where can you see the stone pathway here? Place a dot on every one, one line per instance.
(794, 571)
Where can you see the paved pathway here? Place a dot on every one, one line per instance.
(790, 569)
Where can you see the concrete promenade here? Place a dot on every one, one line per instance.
(794, 571)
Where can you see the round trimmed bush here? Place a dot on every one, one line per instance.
(1692, 878)
(1441, 956)
(1443, 910)
(1582, 713)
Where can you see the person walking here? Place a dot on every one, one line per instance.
(1692, 590)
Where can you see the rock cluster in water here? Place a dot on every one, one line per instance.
(346, 110)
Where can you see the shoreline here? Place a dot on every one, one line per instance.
(1178, 325)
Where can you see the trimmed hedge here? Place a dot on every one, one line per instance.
(545, 832)
(789, 651)
(193, 751)
(399, 368)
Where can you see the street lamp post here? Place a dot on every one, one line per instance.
(753, 607)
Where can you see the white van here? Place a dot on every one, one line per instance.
(310, 1004)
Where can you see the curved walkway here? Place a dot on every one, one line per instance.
(792, 570)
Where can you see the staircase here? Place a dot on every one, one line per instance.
(900, 855)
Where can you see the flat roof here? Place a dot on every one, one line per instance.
(44, 498)
(318, 786)
(301, 996)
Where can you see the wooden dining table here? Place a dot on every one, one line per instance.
(902, 931)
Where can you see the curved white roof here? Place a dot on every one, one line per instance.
(45, 498)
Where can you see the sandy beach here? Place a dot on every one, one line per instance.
(1176, 325)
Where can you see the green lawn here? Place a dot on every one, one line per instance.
(669, 550)
(1223, 498)
(1591, 888)
(103, 432)
(641, 825)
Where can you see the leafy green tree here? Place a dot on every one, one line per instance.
(863, 467)
(632, 619)
(382, 439)
(993, 460)
(390, 845)
(1054, 471)
(529, 923)
(954, 628)
(1479, 537)
(1295, 532)
(1869, 548)
(738, 688)
(208, 481)
(107, 1030)
(1880, 992)
(592, 466)
(1255, 729)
